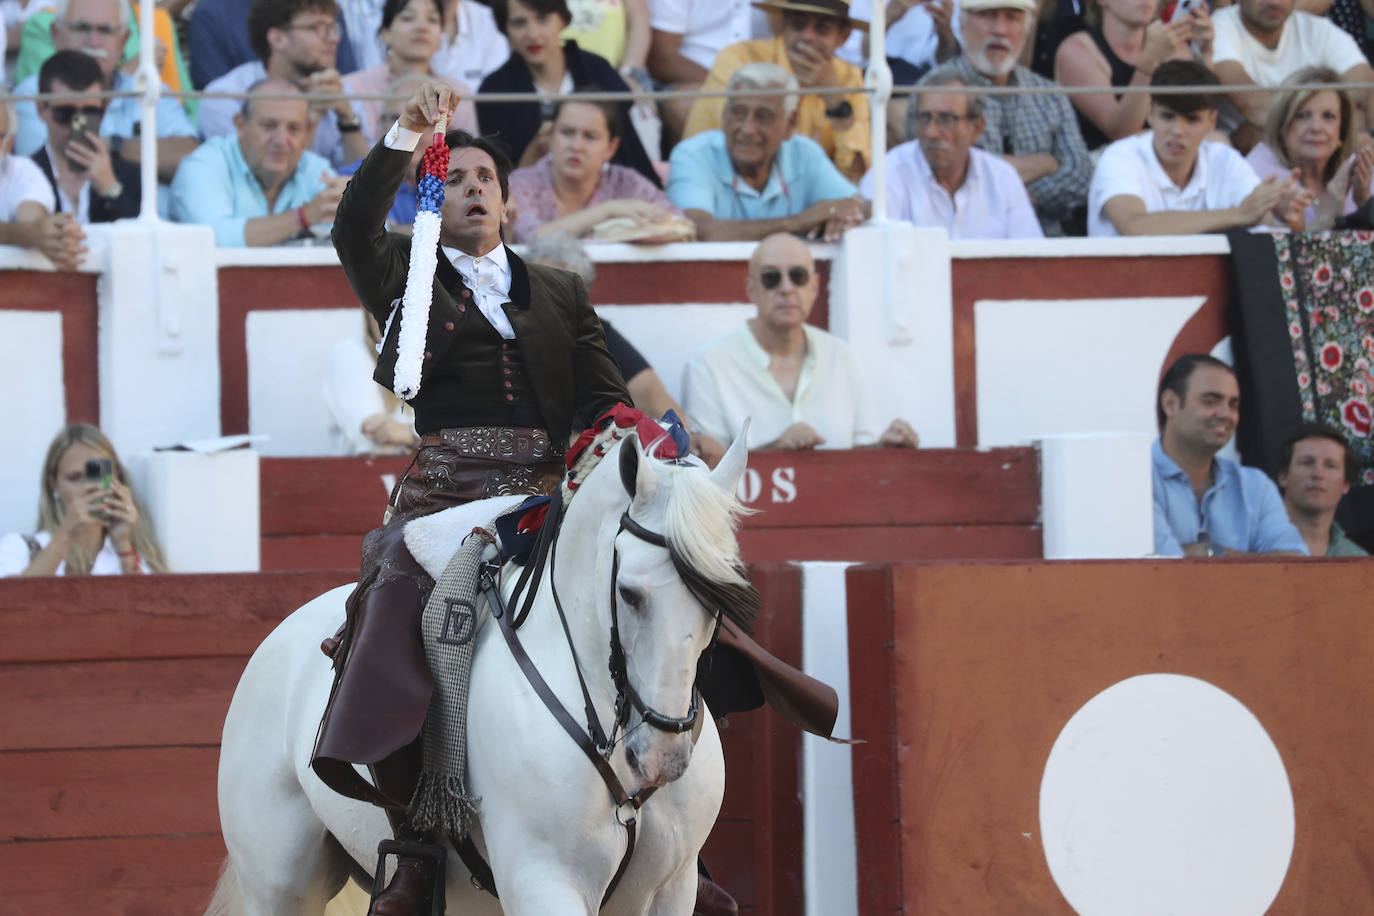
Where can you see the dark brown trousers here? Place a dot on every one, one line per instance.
(382, 683)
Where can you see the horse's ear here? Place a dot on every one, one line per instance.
(629, 463)
(727, 473)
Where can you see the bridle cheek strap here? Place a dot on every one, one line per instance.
(618, 662)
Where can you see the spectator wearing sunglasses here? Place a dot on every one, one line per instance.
(751, 178)
(88, 181)
(802, 387)
(296, 41)
(99, 29)
(27, 203)
(942, 179)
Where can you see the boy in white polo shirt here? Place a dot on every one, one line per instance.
(1170, 181)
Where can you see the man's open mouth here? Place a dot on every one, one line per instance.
(475, 210)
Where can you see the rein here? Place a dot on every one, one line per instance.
(592, 740)
(627, 805)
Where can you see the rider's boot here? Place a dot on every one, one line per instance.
(712, 899)
(408, 887)
(406, 891)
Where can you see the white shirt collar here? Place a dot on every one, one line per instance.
(490, 269)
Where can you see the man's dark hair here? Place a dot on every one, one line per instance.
(461, 139)
(76, 69)
(501, 10)
(1310, 430)
(277, 14)
(615, 121)
(1176, 377)
(1184, 73)
(392, 8)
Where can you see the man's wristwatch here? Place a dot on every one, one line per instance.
(639, 76)
(841, 111)
(348, 127)
(114, 190)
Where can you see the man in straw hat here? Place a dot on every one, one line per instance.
(1036, 133)
(812, 31)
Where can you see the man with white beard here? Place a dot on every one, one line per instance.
(1036, 134)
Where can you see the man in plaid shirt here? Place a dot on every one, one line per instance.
(1037, 134)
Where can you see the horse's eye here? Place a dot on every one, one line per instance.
(632, 596)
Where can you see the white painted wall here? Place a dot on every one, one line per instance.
(288, 357)
(1060, 367)
(831, 865)
(890, 294)
(32, 390)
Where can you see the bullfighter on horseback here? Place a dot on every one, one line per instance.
(512, 353)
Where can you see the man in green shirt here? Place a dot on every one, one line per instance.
(1316, 469)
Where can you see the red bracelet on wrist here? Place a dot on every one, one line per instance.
(131, 552)
(301, 218)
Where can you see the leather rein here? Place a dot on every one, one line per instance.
(593, 740)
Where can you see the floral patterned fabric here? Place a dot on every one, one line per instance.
(1326, 282)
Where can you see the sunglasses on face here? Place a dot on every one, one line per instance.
(63, 114)
(771, 277)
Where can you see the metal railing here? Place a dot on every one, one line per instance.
(877, 87)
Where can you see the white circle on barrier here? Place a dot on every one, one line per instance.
(1165, 795)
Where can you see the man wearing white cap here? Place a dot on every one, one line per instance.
(1037, 134)
(812, 31)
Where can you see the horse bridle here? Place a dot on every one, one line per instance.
(593, 739)
(620, 676)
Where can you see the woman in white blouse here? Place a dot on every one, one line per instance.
(89, 522)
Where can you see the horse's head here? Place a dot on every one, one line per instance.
(668, 534)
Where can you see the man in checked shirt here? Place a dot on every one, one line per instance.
(1036, 133)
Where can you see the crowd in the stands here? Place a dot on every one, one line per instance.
(297, 91)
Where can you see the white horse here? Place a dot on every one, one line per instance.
(546, 823)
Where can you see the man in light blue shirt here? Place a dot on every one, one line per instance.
(1205, 505)
(99, 29)
(750, 179)
(259, 186)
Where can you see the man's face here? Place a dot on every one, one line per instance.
(782, 282)
(993, 39)
(1177, 136)
(64, 119)
(945, 130)
(272, 137)
(819, 33)
(473, 208)
(1265, 15)
(754, 127)
(1205, 418)
(1314, 480)
(309, 42)
(92, 26)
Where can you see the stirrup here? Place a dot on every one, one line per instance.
(435, 855)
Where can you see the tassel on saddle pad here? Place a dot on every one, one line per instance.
(453, 616)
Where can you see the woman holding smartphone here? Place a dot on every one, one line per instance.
(89, 522)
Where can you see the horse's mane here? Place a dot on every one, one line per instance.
(699, 523)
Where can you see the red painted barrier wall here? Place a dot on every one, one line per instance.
(115, 690)
(872, 505)
(963, 675)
